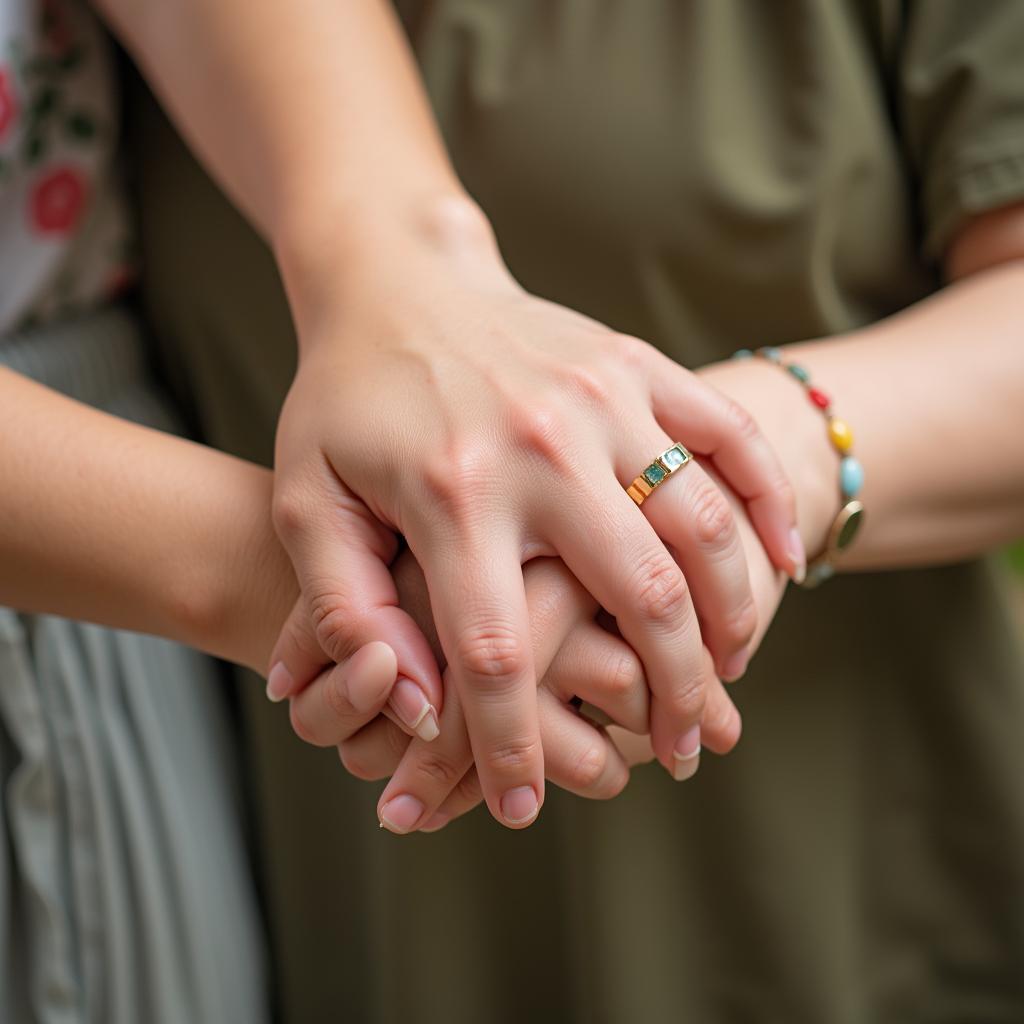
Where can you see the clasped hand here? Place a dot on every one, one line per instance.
(495, 432)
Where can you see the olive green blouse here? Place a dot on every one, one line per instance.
(705, 175)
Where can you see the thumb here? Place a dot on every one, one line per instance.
(340, 554)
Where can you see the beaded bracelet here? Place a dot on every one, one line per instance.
(851, 473)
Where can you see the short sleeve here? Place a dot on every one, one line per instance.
(961, 110)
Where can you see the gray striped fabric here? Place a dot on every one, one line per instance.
(125, 891)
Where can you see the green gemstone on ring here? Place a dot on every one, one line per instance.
(654, 474)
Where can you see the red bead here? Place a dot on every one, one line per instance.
(819, 398)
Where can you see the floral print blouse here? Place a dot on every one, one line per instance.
(64, 234)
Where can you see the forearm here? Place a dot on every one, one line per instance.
(935, 397)
(311, 115)
(110, 522)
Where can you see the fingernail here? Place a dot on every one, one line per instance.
(410, 703)
(401, 813)
(279, 683)
(435, 822)
(687, 754)
(735, 666)
(798, 556)
(519, 805)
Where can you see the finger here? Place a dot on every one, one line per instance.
(477, 593)
(692, 515)
(579, 756)
(375, 751)
(341, 555)
(427, 773)
(428, 776)
(466, 795)
(716, 426)
(625, 565)
(721, 726)
(297, 658)
(345, 697)
(604, 671)
(634, 749)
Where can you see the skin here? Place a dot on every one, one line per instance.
(110, 522)
(919, 513)
(114, 523)
(398, 421)
(358, 217)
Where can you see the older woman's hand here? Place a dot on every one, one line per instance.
(433, 783)
(489, 427)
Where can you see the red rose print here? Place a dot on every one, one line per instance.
(57, 201)
(8, 108)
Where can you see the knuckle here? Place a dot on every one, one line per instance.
(587, 384)
(514, 757)
(740, 422)
(688, 697)
(289, 511)
(659, 588)
(301, 726)
(334, 625)
(628, 351)
(742, 623)
(494, 655)
(541, 430)
(624, 675)
(452, 477)
(336, 697)
(588, 768)
(438, 769)
(712, 517)
(468, 791)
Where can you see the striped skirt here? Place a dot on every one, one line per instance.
(126, 893)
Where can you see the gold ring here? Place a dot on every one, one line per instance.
(658, 472)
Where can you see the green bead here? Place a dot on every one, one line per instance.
(743, 353)
(799, 372)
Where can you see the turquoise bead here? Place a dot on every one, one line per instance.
(743, 353)
(799, 372)
(774, 354)
(851, 476)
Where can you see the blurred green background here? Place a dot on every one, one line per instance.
(1015, 556)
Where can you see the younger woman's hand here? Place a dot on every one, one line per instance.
(576, 658)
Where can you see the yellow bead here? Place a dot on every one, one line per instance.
(840, 434)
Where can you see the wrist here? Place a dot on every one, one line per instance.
(378, 253)
(233, 586)
(794, 430)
